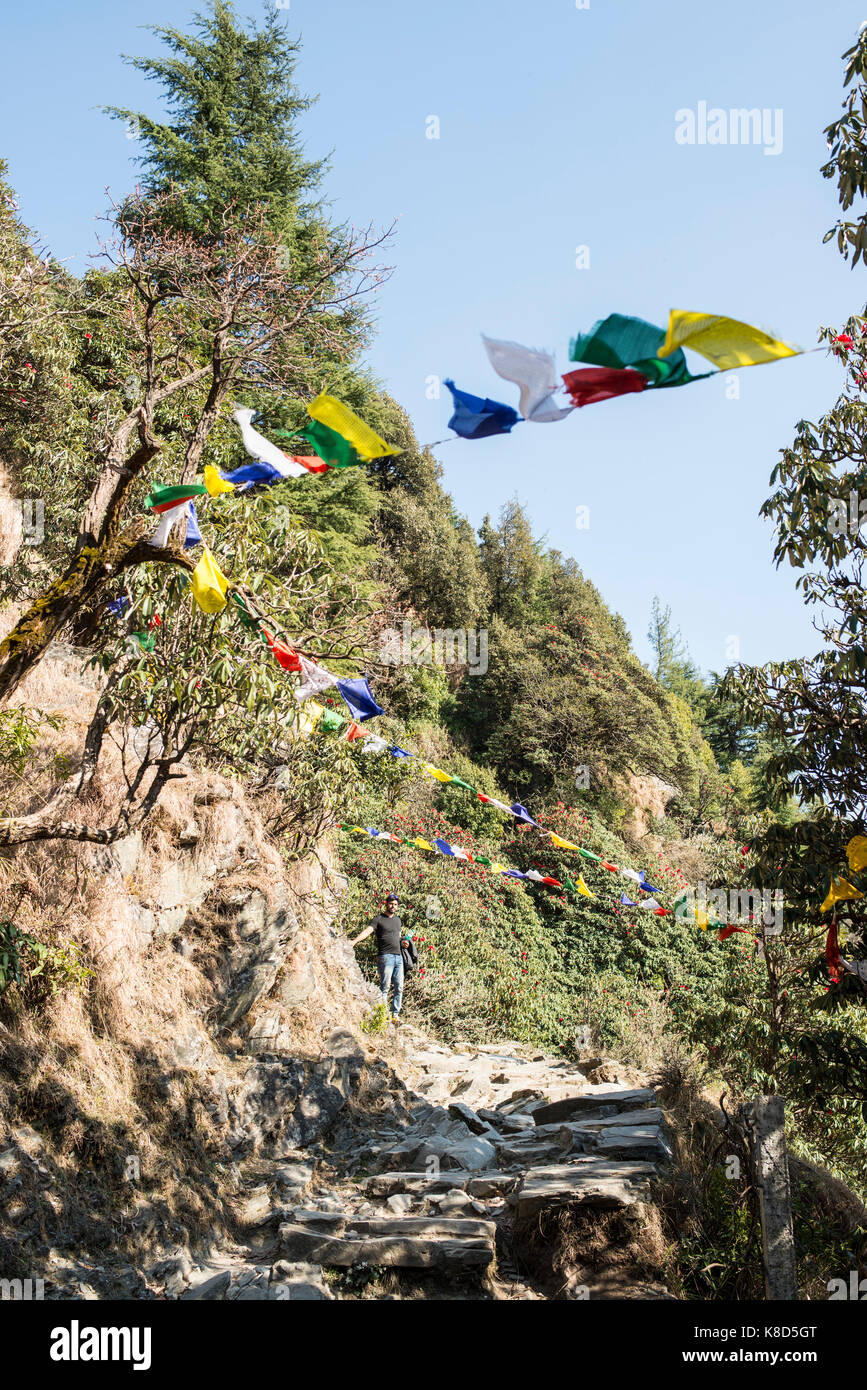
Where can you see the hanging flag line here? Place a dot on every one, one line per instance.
(374, 744)
(624, 355)
(450, 851)
(456, 852)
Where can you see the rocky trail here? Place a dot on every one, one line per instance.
(442, 1181)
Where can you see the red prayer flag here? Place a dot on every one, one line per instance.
(311, 462)
(286, 657)
(832, 953)
(354, 731)
(591, 384)
(725, 932)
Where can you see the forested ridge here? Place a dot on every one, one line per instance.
(127, 376)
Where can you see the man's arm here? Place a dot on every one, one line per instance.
(354, 940)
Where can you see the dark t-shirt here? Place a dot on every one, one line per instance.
(388, 932)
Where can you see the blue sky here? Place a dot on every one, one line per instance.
(556, 131)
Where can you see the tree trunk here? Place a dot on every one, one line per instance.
(85, 578)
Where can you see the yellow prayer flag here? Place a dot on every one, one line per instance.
(209, 584)
(702, 919)
(436, 772)
(214, 483)
(498, 869)
(563, 844)
(422, 844)
(856, 853)
(582, 887)
(725, 342)
(338, 417)
(839, 892)
(309, 715)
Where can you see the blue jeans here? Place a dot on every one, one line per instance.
(391, 973)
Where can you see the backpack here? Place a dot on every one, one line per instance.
(409, 955)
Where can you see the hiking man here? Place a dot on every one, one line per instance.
(390, 938)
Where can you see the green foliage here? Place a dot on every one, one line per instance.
(375, 1021)
(32, 972)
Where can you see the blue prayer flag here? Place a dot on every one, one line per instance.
(475, 417)
(359, 698)
(194, 535)
(251, 473)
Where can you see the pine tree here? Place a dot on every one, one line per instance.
(233, 110)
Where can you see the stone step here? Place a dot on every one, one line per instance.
(420, 1185)
(411, 1242)
(532, 1155)
(609, 1100)
(586, 1181)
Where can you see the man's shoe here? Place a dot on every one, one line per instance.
(395, 1018)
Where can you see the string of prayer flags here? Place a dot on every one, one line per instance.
(592, 384)
(359, 698)
(262, 450)
(476, 417)
(536, 375)
(840, 891)
(726, 342)
(208, 584)
(345, 438)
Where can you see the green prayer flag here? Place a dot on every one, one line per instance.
(480, 859)
(588, 855)
(330, 719)
(245, 617)
(336, 451)
(459, 782)
(620, 341)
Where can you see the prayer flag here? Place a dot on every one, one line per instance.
(534, 372)
(840, 892)
(209, 584)
(359, 698)
(592, 384)
(194, 535)
(726, 342)
(327, 410)
(283, 655)
(856, 853)
(315, 679)
(330, 719)
(163, 499)
(262, 449)
(476, 417)
(216, 482)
